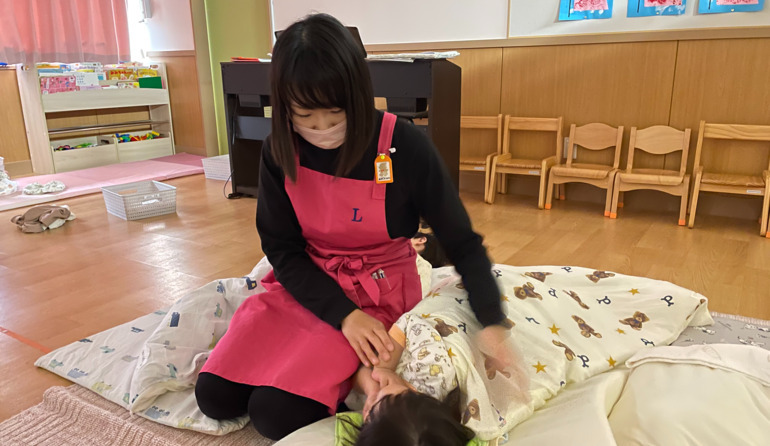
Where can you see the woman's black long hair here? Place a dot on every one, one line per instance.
(317, 64)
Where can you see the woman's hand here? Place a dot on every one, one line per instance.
(386, 377)
(389, 383)
(492, 341)
(364, 383)
(495, 341)
(364, 332)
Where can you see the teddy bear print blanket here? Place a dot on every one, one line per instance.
(569, 323)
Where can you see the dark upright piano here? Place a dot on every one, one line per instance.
(408, 86)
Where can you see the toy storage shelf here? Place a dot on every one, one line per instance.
(97, 99)
(57, 119)
(85, 158)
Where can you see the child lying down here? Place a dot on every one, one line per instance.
(569, 323)
(414, 398)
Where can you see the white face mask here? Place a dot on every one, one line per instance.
(330, 138)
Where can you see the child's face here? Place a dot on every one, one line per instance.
(390, 384)
(317, 118)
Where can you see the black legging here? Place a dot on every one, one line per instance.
(274, 413)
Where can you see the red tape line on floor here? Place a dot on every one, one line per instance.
(24, 340)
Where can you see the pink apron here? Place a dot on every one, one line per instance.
(274, 341)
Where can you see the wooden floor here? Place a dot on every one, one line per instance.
(100, 271)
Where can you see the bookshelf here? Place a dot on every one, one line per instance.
(93, 116)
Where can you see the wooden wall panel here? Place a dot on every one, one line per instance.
(724, 81)
(13, 133)
(481, 83)
(482, 80)
(184, 94)
(619, 84)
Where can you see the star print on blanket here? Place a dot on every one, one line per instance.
(569, 323)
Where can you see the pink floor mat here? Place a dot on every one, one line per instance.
(89, 181)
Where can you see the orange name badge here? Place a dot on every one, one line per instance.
(383, 169)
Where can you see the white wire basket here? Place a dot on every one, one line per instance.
(143, 199)
(217, 167)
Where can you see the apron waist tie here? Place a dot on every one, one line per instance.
(346, 267)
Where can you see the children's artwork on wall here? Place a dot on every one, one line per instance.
(721, 6)
(585, 9)
(647, 8)
(589, 5)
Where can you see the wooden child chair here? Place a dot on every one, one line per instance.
(708, 180)
(522, 163)
(595, 137)
(478, 158)
(658, 140)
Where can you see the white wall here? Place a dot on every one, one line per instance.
(413, 21)
(169, 28)
(404, 21)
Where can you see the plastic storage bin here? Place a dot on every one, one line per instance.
(217, 167)
(143, 199)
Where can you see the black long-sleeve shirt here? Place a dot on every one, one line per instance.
(421, 187)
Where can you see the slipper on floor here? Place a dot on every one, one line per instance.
(40, 218)
(47, 188)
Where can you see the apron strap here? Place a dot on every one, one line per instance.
(383, 147)
(386, 133)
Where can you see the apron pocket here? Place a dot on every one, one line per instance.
(391, 290)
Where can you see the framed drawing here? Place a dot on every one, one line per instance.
(585, 9)
(721, 6)
(651, 8)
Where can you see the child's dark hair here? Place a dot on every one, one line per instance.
(415, 419)
(433, 252)
(316, 63)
